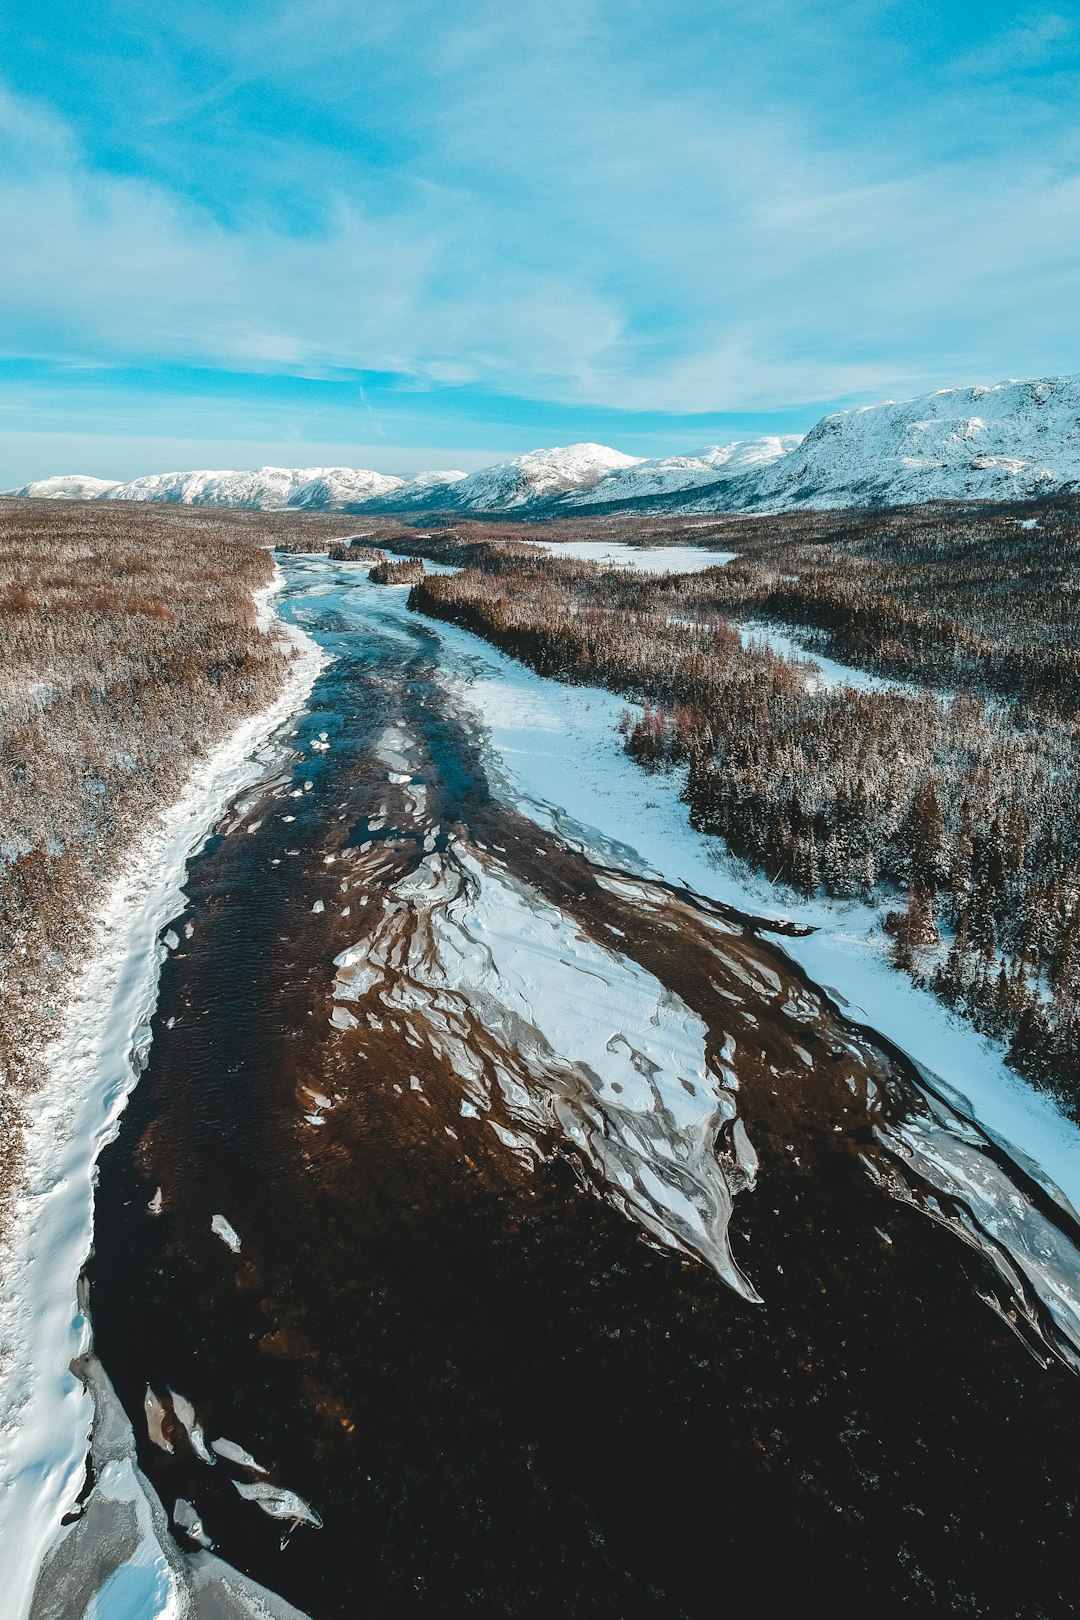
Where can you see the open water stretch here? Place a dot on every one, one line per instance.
(541, 1229)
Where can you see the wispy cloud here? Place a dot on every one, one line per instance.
(715, 209)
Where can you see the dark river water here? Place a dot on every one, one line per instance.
(492, 1316)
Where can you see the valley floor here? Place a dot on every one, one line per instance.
(500, 1147)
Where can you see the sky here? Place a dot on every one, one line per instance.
(407, 234)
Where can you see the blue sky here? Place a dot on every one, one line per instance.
(413, 234)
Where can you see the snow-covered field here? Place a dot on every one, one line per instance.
(45, 1410)
(646, 560)
(822, 674)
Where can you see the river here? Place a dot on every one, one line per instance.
(537, 1221)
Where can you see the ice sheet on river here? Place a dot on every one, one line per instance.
(563, 1033)
(554, 752)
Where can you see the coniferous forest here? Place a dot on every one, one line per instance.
(947, 791)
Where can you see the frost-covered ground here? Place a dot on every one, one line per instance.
(662, 560)
(45, 1409)
(826, 673)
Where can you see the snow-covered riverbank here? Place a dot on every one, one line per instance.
(45, 1410)
(559, 756)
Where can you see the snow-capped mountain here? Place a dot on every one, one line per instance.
(338, 488)
(427, 489)
(266, 489)
(534, 479)
(68, 487)
(671, 475)
(1009, 441)
(1006, 442)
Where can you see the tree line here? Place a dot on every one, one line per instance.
(957, 805)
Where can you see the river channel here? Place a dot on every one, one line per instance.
(537, 1223)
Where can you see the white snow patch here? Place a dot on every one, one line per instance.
(644, 560)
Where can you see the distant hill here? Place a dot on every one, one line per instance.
(1006, 442)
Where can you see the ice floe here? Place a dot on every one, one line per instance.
(578, 1038)
(231, 1452)
(279, 1503)
(191, 1426)
(226, 1232)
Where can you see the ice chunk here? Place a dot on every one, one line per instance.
(227, 1233)
(154, 1407)
(279, 1503)
(192, 1427)
(231, 1452)
(186, 1519)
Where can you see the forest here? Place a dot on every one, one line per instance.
(130, 649)
(952, 800)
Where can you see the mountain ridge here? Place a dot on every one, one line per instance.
(1003, 441)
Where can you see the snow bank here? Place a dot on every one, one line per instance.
(558, 757)
(45, 1410)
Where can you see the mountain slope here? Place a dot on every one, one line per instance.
(67, 487)
(1006, 442)
(426, 490)
(714, 466)
(266, 489)
(338, 489)
(534, 479)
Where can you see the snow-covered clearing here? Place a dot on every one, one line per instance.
(828, 673)
(652, 560)
(45, 1410)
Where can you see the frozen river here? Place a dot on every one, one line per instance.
(507, 1222)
